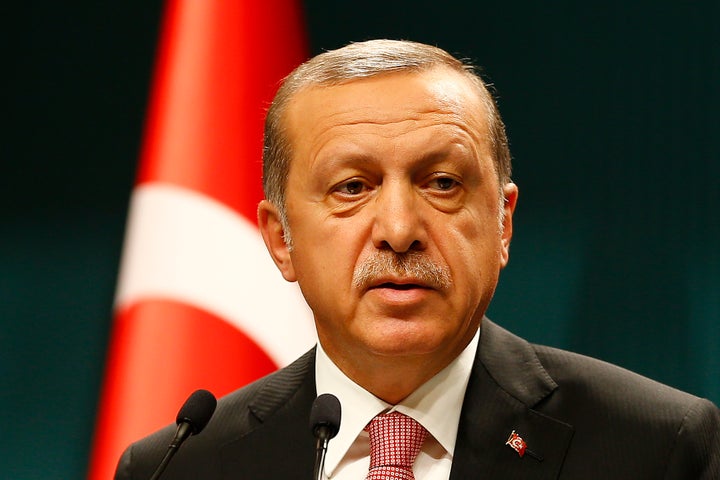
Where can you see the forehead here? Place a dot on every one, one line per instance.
(390, 101)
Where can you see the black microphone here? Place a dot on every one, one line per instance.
(191, 419)
(324, 423)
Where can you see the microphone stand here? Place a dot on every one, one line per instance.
(323, 438)
(184, 430)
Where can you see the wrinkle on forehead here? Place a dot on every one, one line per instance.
(373, 117)
(443, 90)
(387, 106)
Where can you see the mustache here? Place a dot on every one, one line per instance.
(413, 265)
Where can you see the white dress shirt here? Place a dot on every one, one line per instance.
(435, 405)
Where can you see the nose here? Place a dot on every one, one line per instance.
(398, 223)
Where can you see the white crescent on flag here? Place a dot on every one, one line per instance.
(184, 246)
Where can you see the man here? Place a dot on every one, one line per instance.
(389, 201)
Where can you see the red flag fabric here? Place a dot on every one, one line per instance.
(516, 442)
(199, 302)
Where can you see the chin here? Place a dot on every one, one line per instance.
(405, 342)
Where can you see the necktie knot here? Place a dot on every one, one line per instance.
(395, 441)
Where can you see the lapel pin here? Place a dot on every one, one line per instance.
(516, 442)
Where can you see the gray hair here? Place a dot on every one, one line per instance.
(357, 61)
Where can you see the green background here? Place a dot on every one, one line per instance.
(612, 111)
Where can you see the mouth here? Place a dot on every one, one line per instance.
(399, 293)
(398, 286)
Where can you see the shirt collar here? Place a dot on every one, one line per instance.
(436, 404)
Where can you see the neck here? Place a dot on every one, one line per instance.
(390, 378)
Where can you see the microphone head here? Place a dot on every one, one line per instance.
(325, 415)
(197, 410)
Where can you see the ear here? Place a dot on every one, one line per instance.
(510, 192)
(272, 232)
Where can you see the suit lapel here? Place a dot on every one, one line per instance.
(507, 382)
(284, 447)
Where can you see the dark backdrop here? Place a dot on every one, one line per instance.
(612, 111)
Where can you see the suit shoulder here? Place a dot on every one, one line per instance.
(237, 414)
(623, 397)
(573, 371)
(615, 410)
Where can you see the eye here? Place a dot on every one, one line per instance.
(443, 183)
(351, 187)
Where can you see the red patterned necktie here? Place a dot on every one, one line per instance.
(395, 441)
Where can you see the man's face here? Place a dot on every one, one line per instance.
(394, 210)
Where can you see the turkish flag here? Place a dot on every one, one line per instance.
(199, 302)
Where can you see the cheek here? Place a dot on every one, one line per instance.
(472, 249)
(324, 256)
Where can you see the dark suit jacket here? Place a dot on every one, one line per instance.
(581, 419)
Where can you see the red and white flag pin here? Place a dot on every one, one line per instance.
(516, 442)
